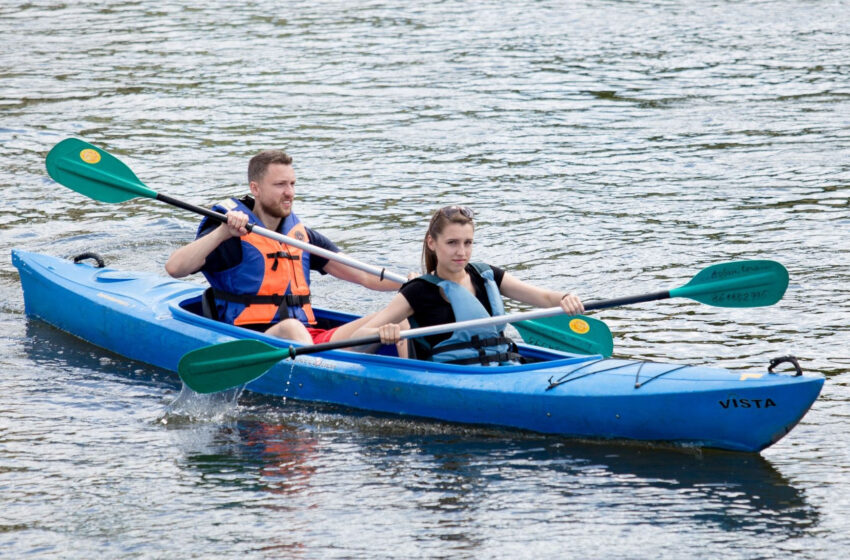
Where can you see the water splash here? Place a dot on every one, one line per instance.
(190, 406)
(289, 380)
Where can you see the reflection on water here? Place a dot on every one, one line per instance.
(57, 353)
(458, 479)
(255, 456)
(464, 474)
(732, 491)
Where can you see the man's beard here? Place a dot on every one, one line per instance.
(276, 211)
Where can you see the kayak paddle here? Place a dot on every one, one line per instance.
(733, 284)
(584, 335)
(223, 366)
(91, 171)
(87, 169)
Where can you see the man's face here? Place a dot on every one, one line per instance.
(275, 192)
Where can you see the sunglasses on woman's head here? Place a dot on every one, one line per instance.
(449, 211)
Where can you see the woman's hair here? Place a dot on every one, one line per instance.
(446, 215)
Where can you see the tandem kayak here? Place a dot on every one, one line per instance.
(156, 320)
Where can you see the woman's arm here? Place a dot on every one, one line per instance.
(386, 321)
(515, 288)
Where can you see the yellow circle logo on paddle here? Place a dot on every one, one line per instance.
(579, 326)
(90, 156)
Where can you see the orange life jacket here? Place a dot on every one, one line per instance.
(271, 283)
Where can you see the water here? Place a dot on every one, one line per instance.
(613, 148)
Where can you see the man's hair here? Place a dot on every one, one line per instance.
(260, 163)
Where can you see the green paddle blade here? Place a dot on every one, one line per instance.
(737, 284)
(223, 366)
(89, 170)
(578, 335)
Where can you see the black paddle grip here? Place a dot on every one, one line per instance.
(351, 342)
(628, 300)
(211, 214)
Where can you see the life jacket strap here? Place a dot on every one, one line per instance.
(208, 305)
(289, 300)
(475, 342)
(500, 357)
(281, 255)
(481, 344)
(283, 302)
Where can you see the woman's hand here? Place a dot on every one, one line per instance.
(389, 333)
(571, 304)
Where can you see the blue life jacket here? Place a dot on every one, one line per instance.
(271, 283)
(480, 345)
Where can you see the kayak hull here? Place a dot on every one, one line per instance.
(153, 320)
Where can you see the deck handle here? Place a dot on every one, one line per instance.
(89, 255)
(790, 359)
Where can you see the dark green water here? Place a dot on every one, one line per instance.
(612, 148)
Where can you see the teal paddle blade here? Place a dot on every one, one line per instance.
(737, 284)
(87, 169)
(223, 366)
(578, 335)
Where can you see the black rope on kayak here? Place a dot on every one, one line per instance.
(638, 384)
(566, 378)
(783, 359)
(553, 384)
(89, 255)
(637, 376)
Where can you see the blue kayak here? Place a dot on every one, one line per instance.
(157, 320)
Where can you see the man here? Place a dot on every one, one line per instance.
(258, 282)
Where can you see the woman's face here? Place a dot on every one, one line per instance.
(453, 247)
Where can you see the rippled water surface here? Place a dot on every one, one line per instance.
(613, 148)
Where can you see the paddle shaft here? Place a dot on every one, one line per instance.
(221, 218)
(625, 300)
(487, 321)
(736, 284)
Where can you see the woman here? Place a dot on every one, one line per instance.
(453, 289)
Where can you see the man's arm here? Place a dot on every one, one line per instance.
(365, 279)
(343, 271)
(190, 258)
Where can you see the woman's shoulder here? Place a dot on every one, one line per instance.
(421, 295)
(417, 285)
(479, 268)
